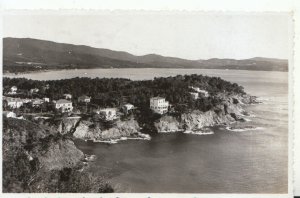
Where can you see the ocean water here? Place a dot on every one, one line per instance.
(242, 161)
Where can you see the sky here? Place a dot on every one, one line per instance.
(189, 35)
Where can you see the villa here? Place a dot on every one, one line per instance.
(13, 90)
(14, 102)
(108, 113)
(46, 99)
(35, 90)
(37, 102)
(64, 105)
(9, 114)
(194, 95)
(68, 96)
(201, 91)
(84, 99)
(127, 108)
(159, 105)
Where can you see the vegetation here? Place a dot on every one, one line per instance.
(34, 160)
(108, 92)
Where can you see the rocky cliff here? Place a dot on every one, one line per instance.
(66, 125)
(229, 110)
(121, 129)
(168, 124)
(88, 130)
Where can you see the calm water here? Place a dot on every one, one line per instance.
(252, 161)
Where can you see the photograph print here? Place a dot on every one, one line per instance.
(145, 102)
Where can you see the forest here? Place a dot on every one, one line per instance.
(114, 92)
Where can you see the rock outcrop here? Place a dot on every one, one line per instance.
(168, 124)
(228, 111)
(66, 125)
(121, 129)
(90, 131)
(84, 131)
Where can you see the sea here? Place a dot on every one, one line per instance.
(253, 159)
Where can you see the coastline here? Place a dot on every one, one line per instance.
(17, 74)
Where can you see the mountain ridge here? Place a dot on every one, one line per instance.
(41, 54)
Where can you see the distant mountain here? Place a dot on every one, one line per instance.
(23, 54)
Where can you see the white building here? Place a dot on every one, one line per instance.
(35, 90)
(194, 95)
(26, 100)
(13, 90)
(46, 99)
(201, 91)
(37, 102)
(128, 107)
(68, 96)
(108, 113)
(64, 105)
(159, 105)
(9, 114)
(14, 102)
(84, 98)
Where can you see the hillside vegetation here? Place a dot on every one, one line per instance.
(39, 159)
(114, 92)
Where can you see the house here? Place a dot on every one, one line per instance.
(46, 99)
(13, 90)
(127, 108)
(14, 102)
(201, 91)
(63, 105)
(26, 100)
(37, 102)
(84, 99)
(35, 90)
(9, 114)
(68, 96)
(194, 95)
(159, 105)
(108, 113)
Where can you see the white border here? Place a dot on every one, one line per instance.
(203, 5)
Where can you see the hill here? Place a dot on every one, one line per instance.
(26, 54)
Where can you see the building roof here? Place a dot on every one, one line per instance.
(37, 100)
(108, 109)
(9, 99)
(7, 112)
(157, 98)
(63, 101)
(128, 104)
(84, 97)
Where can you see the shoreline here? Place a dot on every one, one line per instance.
(117, 140)
(15, 74)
